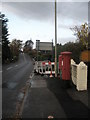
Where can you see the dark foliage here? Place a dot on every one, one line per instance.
(6, 54)
(75, 48)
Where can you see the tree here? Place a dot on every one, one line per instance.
(6, 55)
(81, 32)
(28, 46)
(15, 47)
(75, 48)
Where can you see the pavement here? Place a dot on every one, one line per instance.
(41, 102)
(47, 98)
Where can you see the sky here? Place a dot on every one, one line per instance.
(36, 20)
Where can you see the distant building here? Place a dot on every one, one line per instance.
(45, 49)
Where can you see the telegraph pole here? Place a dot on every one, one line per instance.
(55, 39)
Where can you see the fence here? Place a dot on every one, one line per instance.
(79, 75)
(44, 67)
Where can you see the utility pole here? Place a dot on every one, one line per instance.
(37, 45)
(55, 39)
(52, 51)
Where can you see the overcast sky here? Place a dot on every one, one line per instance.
(35, 20)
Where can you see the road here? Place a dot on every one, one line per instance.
(14, 77)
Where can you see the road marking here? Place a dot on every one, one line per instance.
(24, 57)
(9, 68)
(1, 71)
(16, 65)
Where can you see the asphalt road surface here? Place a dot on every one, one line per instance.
(14, 77)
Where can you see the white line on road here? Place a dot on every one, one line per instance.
(1, 71)
(16, 65)
(24, 57)
(9, 68)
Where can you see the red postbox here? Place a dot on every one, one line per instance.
(60, 66)
(66, 64)
(60, 62)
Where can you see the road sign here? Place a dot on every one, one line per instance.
(47, 46)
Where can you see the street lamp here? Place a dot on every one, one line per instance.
(55, 39)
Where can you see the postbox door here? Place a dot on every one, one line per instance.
(66, 67)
